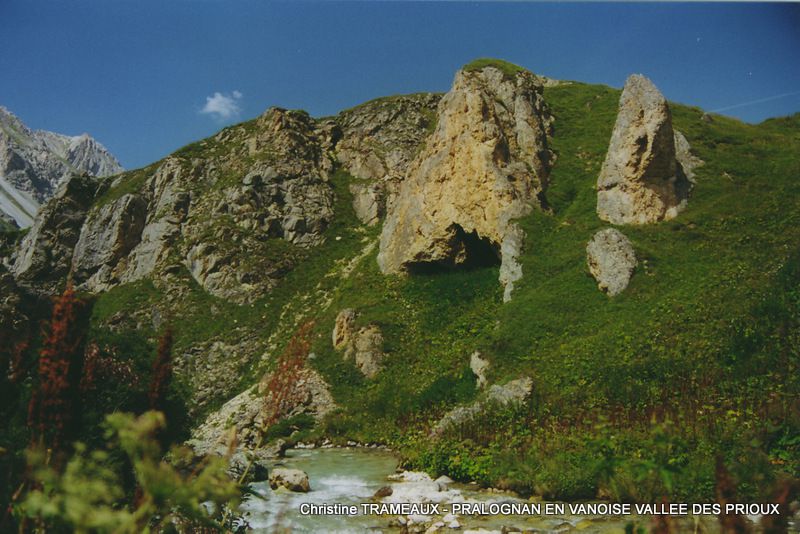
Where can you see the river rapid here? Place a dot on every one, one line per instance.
(351, 476)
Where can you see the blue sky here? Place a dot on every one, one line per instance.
(137, 74)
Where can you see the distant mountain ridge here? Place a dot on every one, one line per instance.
(33, 163)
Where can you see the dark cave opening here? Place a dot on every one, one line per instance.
(469, 251)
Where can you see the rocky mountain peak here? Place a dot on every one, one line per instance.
(34, 163)
(485, 164)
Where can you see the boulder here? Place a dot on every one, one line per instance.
(611, 260)
(514, 392)
(485, 164)
(382, 492)
(343, 328)
(368, 350)
(479, 366)
(641, 180)
(291, 479)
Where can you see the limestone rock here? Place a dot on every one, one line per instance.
(485, 165)
(514, 392)
(344, 328)
(167, 208)
(368, 350)
(641, 180)
(369, 202)
(479, 366)
(379, 140)
(106, 238)
(45, 254)
(365, 345)
(291, 479)
(683, 153)
(611, 260)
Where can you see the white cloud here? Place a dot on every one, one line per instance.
(223, 106)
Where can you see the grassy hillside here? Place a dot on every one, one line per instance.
(700, 349)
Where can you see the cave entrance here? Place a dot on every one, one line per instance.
(468, 251)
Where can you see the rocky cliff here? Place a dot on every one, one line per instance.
(485, 165)
(34, 163)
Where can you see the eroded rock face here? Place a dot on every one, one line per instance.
(364, 345)
(45, 254)
(379, 141)
(105, 239)
(611, 260)
(641, 180)
(485, 165)
(231, 219)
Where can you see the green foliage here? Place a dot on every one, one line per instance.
(89, 495)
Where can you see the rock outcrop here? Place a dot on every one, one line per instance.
(479, 367)
(44, 255)
(367, 349)
(379, 141)
(106, 238)
(611, 260)
(641, 180)
(268, 193)
(34, 163)
(244, 415)
(514, 392)
(364, 345)
(485, 165)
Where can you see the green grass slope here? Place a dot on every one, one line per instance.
(636, 395)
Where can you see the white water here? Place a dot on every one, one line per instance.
(351, 476)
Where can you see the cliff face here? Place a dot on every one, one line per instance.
(379, 141)
(485, 165)
(34, 163)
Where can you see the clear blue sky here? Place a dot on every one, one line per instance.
(136, 74)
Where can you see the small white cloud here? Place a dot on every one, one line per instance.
(223, 106)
